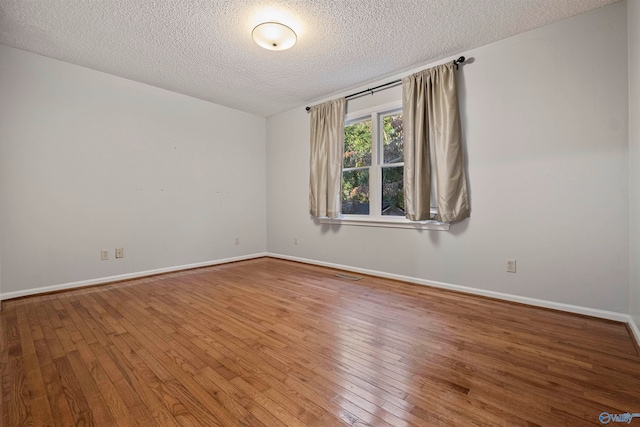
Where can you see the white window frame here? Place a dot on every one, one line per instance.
(375, 217)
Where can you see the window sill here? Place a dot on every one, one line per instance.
(388, 223)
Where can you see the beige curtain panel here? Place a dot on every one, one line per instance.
(327, 146)
(431, 120)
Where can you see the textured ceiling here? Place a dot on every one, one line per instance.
(203, 48)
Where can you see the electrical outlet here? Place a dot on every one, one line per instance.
(511, 266)
(295, 240)
(104, 254)
(237, 240)
(119, 252)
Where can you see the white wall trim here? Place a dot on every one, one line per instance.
(387, 222)
(587, 311)
(103, 280)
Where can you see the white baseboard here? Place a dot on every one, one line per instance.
(587, 311)
(102, 280)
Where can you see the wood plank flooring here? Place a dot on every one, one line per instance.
(267, 342)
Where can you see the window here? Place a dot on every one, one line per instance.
(372, 168)
(373, 171)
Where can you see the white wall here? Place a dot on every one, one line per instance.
(633, 11)
(1, 238)
(545, 117)
(91, 161)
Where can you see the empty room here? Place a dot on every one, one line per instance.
(304, 213)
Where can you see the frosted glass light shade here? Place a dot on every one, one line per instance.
(274, 36)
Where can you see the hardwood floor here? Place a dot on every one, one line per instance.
(268, 343)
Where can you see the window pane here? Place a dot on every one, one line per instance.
(355, 192)
(357, 145)
(393, 191)
(392, 139)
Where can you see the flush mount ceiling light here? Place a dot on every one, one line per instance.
(274, 36)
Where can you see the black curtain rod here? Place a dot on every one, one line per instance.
(455, 62)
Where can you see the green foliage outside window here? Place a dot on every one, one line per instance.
(358, 154)
(393, 176)
(357, 145)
